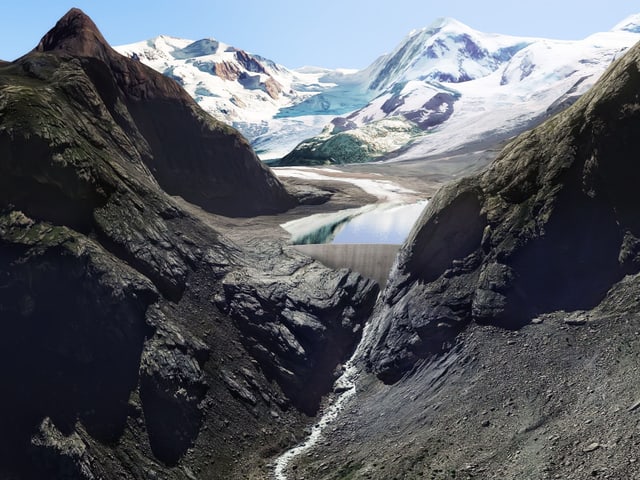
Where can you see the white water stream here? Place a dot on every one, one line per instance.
(347, 384)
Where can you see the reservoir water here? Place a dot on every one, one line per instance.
(388, 224)
(383, 223)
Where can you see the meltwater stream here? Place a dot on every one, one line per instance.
(345, 384)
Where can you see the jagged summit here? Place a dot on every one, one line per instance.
(75, 33)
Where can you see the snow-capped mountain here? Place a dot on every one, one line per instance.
(442, 87)
(447, 51)
(448, 85)
(411, 80)
(244, 90)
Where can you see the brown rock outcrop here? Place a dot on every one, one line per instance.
(227, 71)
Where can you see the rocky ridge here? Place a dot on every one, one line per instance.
(218, 171)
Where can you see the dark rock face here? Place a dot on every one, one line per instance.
(246, 72)
(60, 455)
(341, 124)
(74, 321)
(172, 386)
(249, 62)
(392, 104)
(115, 358)
(551, 225)
(75, 33)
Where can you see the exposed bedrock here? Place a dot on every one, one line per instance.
(172, 386)
(74, 330)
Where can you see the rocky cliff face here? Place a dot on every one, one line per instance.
(551, 225)
(125, 349)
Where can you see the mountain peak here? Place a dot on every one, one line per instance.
(448, 23)
(629, 24)
(77, 34)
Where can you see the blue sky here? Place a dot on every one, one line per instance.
(328, 33)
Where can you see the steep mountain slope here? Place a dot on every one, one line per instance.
(240, 185)
(448, 79)
(137, 341)
(508, 334)
(247, 91)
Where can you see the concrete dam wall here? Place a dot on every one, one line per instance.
(370, 260)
